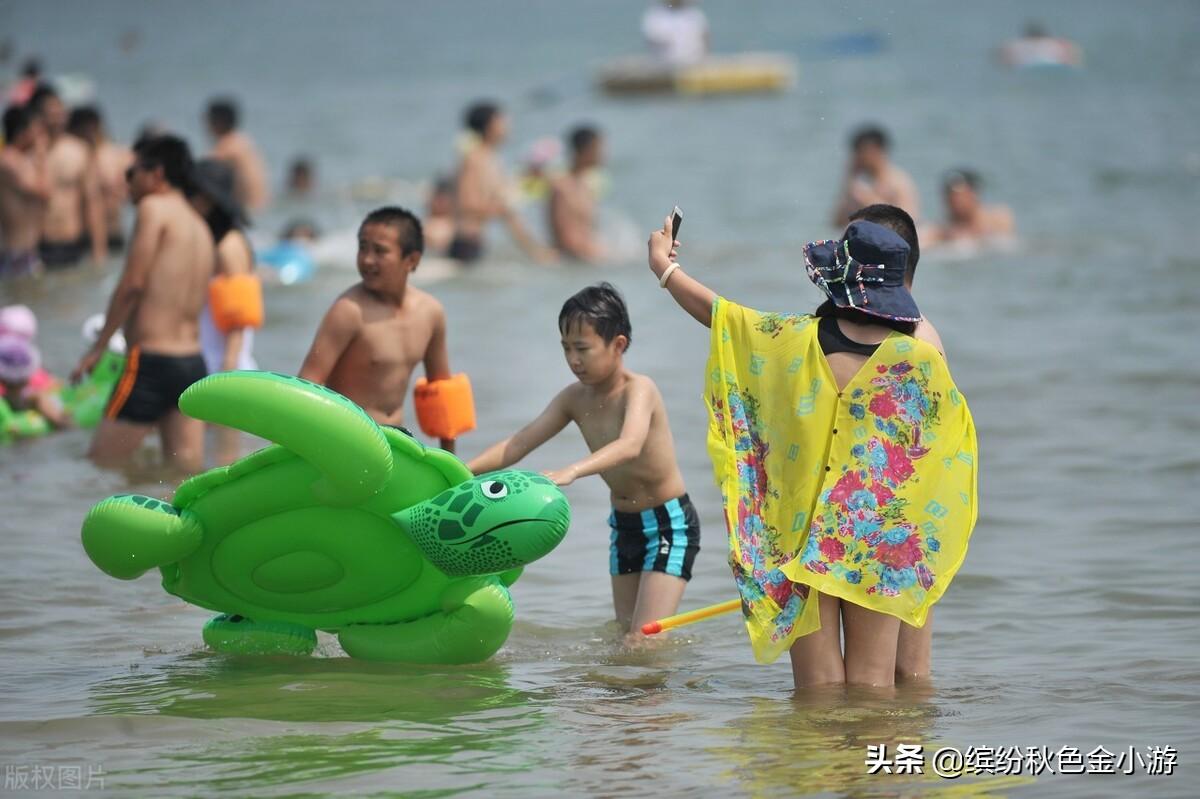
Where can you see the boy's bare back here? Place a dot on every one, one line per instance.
(373, 346)
(652, 477)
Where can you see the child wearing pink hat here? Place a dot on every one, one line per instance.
(24, 384)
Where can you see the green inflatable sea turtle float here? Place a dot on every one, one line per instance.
(341, 525)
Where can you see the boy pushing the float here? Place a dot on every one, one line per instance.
(379, 329)
(655, 531)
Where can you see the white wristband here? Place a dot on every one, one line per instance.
(666, 275)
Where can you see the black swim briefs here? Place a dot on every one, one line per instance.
(150, 386)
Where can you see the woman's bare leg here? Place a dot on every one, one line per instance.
(871, 641)
(914, 651)
(817, 657)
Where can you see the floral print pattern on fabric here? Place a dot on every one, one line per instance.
(868, 493)
(862, 537)
(759, 543)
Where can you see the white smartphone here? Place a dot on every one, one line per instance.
(676, 221)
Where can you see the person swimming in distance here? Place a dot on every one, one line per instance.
(871, 178)
(967, 218)
(1037, 48)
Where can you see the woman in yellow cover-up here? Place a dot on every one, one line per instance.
(845, 455)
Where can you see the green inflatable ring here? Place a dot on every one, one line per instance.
(340, 525)
(87, 399)
(20, 424)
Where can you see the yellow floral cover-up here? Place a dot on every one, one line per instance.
(868, 494)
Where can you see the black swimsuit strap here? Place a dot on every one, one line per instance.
(832, 339)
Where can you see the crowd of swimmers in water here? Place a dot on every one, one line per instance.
(63, 183)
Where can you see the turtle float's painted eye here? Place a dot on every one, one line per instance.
(493, 489)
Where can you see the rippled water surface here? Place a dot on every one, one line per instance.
(1074, 620)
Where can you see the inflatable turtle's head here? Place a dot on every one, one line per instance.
(490, 524)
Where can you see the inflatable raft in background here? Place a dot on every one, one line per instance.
(745, 73)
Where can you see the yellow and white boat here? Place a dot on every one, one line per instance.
(744, 73)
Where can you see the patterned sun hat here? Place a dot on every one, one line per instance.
(864, 271)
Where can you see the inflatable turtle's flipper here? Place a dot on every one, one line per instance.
(318, 424)
(474, 623)
(237, 635)
(127, 535)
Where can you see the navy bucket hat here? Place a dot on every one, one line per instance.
(864, 271)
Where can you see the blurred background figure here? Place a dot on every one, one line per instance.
(300, 230)
(572, 206)
(967, 218)
(74, 219)
(481, 190)
(22, 90)
(676, 31)
(538, 165)
(301, 179)
(24, 384)
(111, 159)
(226, 341)
(871, 177)
(1037, 48)
(24, 192)
(239, 151)
(439, 217)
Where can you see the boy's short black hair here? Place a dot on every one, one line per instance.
(169, 152)
(41, 94)
(222, 114)
(582, 136)
(602, 307)
(406, 223)
(898, 220)
(84, 121)
(17, 119)
(871, 134)
(480, 115)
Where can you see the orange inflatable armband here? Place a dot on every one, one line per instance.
(445, 408)
(236, 301)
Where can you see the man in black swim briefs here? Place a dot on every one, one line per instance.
(158, 302)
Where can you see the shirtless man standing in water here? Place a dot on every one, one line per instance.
(871, 178)
(112, 159)
(75, 212)
(378, 330)
(237, 149)
(481, 193)
(572, 205)
(24, 190)
(158, 302)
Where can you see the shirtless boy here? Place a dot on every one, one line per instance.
(24, 190)
(572, 204)
(157, 301)
(655, 531)
(481, 192)
(871, 178)
(238, 150)
(75, 211)
(378, 330)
